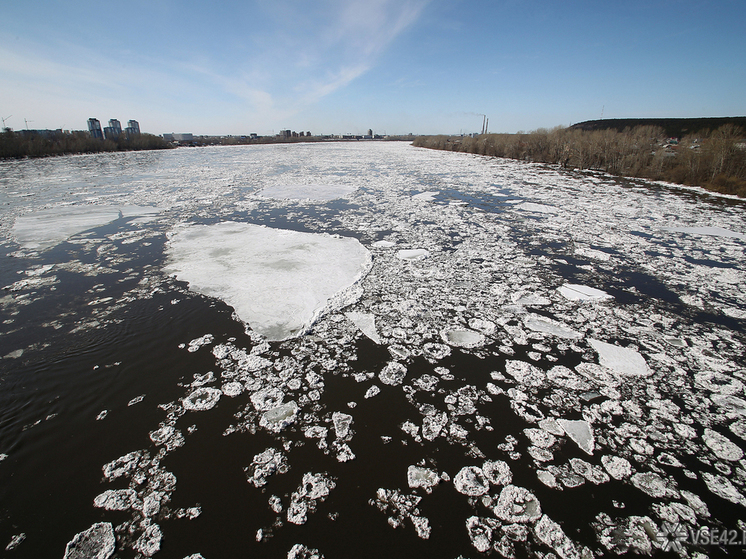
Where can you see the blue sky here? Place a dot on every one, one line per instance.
(396, 66)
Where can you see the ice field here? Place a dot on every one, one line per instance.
(366, 350)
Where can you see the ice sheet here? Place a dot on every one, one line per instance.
(46, 228)
(278, 281)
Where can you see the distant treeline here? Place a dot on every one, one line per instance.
(672, 127)
(714, 160)
(30, 144)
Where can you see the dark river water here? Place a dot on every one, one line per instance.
(521, 361)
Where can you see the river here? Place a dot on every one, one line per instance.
(366, 350)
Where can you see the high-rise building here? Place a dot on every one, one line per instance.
(94, 128)
(116, 126)
(133, 128)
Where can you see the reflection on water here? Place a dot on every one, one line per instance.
(453, 406)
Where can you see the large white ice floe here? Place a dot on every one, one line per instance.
(623, 360)
(708, 231)
(97, 542)
(46, 228)
(278, 281)
(576, 292)
(580, 432)
(366, 322)
(319, 192)
(548, 326)
(462, 337)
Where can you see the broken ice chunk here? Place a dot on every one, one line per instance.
(393, 373)
(342, 422)
(422, 477)
(497, 472)
(383, 244)
(517, 505)
(723, 447)
(149, 543)
(313, 488)
(480, 532)
(115, 499)
(433, 424)
(372, 391)
(575, 292)
(712, 231)
(654, 485)
(412, 254)
(462, 337)
(548, 326)
(98, 542)
(618, 467)
(536, 208)
(427, 196)
(550, 533)
(580, 432)
(202, 399)
(722, 487)
(276, 419)
(264, 465)
(470, 480)
(366, 322)
(623, 360)
(300, 551)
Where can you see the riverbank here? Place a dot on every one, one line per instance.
(15, 145)
(712, 160)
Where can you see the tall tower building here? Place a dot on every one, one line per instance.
(133, 128)
(94, 128)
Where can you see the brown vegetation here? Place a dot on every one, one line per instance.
(18, 145)
(714, 160)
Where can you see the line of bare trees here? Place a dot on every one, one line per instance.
(15, 145)
(715, 160)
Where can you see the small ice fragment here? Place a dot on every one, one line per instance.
(136, 400)
(580, 432)
(232, 389)
(300, 551)
(480, 533)
(372, 391)
(276, 419)
(536, 208)
(115, 499)
(102, 414)
(470, 480)
(366, 322)
(497, 472)
(435, 351)
(149, 543)
(575, 292)
(393, 373)
(265, 464)
(517, 505)
(197, 343)
(15, 541)
(551, 534)
(342, 422)
(462, 337)
(97, 542)
(383, 244)
(412, 254)
(618, 467)
(202, 399)
(623, 360)
(433, 424)
(422, 477)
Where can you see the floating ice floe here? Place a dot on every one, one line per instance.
(319, 192)
(366, 322)
(46, 228)
(393, 373)
(470, 480)
(313, 489)
(276, 419)
(623, 360)
(300, 551)
(149, 542)
(708, 231)
(580, 432)
(617, 467)
(402, 507)
(383, 244)
(15, 541)
(97, 542)
(722, 446)
(342, 422)
(497, 472)
(202, 399)
(575, 292)
(428, 196)
(723, 487)
(550, 533)
(278, 281)
(412, 254)
(536, 208)
(425, 478)
(462, 337)
(264, 465)
(517, 505)
(116, 499)
(548, 326)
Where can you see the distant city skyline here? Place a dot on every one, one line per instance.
(347, 66)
